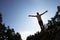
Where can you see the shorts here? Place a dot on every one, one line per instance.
(40, 23)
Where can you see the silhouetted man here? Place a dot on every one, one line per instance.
(38, 16)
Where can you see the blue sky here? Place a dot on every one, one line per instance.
(15, 14)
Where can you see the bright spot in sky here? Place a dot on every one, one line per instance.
(25, 34)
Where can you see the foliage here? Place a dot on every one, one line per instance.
(6, 33)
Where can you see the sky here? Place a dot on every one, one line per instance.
(15, 14)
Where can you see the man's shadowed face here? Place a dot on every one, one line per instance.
(37, 13)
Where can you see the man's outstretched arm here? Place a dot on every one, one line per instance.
(32, 15)
(44, 12)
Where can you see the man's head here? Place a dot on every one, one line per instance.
(37, 13)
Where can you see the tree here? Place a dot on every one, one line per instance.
(6, 33)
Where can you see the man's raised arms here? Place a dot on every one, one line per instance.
(44, 12)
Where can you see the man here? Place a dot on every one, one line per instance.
(38, 16)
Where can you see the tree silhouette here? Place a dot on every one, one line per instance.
(0, 18)
(6, 33)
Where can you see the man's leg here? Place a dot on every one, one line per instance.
(41, 25)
